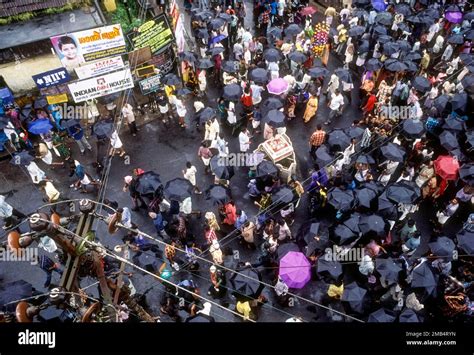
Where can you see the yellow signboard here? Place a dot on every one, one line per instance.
(57, 99)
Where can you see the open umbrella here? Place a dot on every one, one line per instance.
(421, 83)
(443, 247)
(259, 75)
(413, 128)
(220, 170)
(382, 39)
(375, 186)
(364, 47)
(372, 224)
(266, 168)
(386, 208)
(103, 128)
(356, 31)
(373, 64)
(403, 9)
(412, 56)
(215, 51)
(187, 56)
(308, 10)
(40, 102)
(388, 268)
(454, 124)
(329, 267)
(408, 316)
(275, 32)
(293, 30)
(218, 194)
(183, 92)
(448, 140)
(275, 118)
(323, 157)
(354, 132)
(456, 39)
(424, 277)
(147, 261)
(202, 33)
(440, 102)
(403, 192)
(272, 55)
(317, 72)
(467, 173)
(341, 199)
(40, 126)
(204, 15)
(343, 74)
(232, 92)
(355, 296)
(382, 315)
(338, 138)
(365, 159)
(69, 123)
(360, 13)
(453, 14)
(353, 222)
(216, 23)
(277, 86)
(248, 286)
(344, 235)
(205, 63)
(393, 152)
(384, 18)
(297, 57)
(469, 35)
(364, 197)
(286, 248)
(466, 242)
(390, 48)
(230, 66)
(178, 189)
(148, 183)
(295, 269)
(171, 79)
(459, 101)
(4, 121)
(13, 291)
(395, 65)
(403, 45)
(206, 114)
(283, 196)
(410, 66)
(316, 239)
(380, 30)
(22, 158)
(272, 103)
(447, 167)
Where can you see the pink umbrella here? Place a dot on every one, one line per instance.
(295, 269)
(308, 10)
(447, 167)
(277, 86)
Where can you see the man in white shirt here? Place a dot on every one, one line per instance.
(244, 140)
(127, 112)
(256, 93)
(190, 175)
(238, 51)
(335, 105)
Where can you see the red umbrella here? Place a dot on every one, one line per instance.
(308, 10)
(447, 167)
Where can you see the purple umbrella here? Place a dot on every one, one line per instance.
(295, 269)
(453, 14)
(277, 86)
(40, 126)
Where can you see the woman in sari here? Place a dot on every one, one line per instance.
(311, 108)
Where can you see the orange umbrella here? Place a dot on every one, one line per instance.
(447, 167)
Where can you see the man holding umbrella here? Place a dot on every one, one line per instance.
(77, 132)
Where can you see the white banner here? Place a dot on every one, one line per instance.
(99, 68)
(102, 85)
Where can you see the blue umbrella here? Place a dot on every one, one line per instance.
(40, 126)
(259, 75)
(379, 5)
(217, 39)
(373, 64)
(317, 72)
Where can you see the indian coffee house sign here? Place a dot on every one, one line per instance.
(156, 33)
(101, 85)
(151, 84)
(52, 77)
(101, 67)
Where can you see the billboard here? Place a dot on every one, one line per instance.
(101, 85)
(76, 48)
(99, 68)
(150, 84)
(155, 33)
(50, 78)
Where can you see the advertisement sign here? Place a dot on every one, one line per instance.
(164, 61)
(151, 84)
(155, 33)
(150, 69)
(101, 67)
(139, 56)
(50, 78)
(57, 99)
(101, 85)
(76, 48)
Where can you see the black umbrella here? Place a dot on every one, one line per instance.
(200, 318)
(448, 140)
(225, 17)
(470, 138)
(341, 199)
(360, 3)
(220, 170)
(275, 32)
(187, 56)
(364, 197)
(408, 316)
(424, 277)
(147, 261)
(293, 30)
(456, 38)
(364, 47)
(467, 81)
(26, 112)
(272, 55)
(384, 18)
(232, 92)
(469, 35)
(431, 12)
(297, 57)
(372, 223)
(323, 157)
(216, 23)
(259, 75)
(354, 132)
(360, 13)
(40, 102)
(386, 208)
(383, 38)
(266, 168)
(454, 124)
(202, 33)
(395, 65)
(148, 183)
(316, 72)
(403, 9)
(410, 66)
(382, 315)
(316, 239)
(171, 79)
(380, 30)
(356, 31)
(421, 83)
(230, 66)
(4, 121)
(178, 189)
(338, 138)
(373, 64)
(466, 242)
(344, 235)
(440, 102)
(330, 268)
(275, 118)
(14, 291)
(103, 128)
(375, 186)
(413, 128)
(343, 74)
(69, 123)
(205, 63)
(459, 101)
(215, 51)
(393, 152)
(219, 194)
(246, 287)
(183, 92)
(403, 45)
(355, 296)
(365, 159)
(285, 248)
(466, 58)
(22, 158)
(390, 48)
(389, 269)
(204, 15)
(403, 192)
(206, 114)
(466, 173)
(469, 16)
(412, 56)
(283, 196)
(443, 247)
(272, 104)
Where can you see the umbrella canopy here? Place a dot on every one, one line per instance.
(341, 199)
(447, 167)
(454, 124)
(220, 170)
(308, 10)
(364, 197)
(295, 269)
(178, 189)
(206, 114)
(372, 223)
(440, 102)
(379, 5)
(344, 235)
(171, 79)
(353, 222)
(360, 13)
(356, 31)
(187, 56)
(4, 121)
(467, 173)
(275, 118)
(395, 65)
(232, 92)
(466, 242)
(247, 287)
(411, 67)
(453, 14)
(13, 291)
(390, 48)
(386, 208)
(218, 194)
(202, 33)
(393, 152)
(216, 23)
(443, 247)
(41, 126)
(403, 9)
(365, 159)
(382, 316)
(204, 15)
(272, 55)
(293, 30)
(373, 64)
(230, 66)
(413, 128)
(259, 75)
(403, 192)
(323, 157)
(408, 316)
(103, 128)
(272, 104)
(354, 296)
(421, 83)
(424, 277)
(317, 72)
(389, 269)
(297, 57)
(215, 51)
(205, 63)
(40, 102)
(22, 158)
(403, 45)
(354, 132)
(277, 86)
(217, 39)
(283, 196)
(382, 39)
(380, 30)
(456, 38)
(316, 239)
(329, 267)
(448, 140)
(148, 183)
(459, 101)
(338, 138)
(266, 168)
(286, 248)
(363, 47)
(412, 56)
(343, 74)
